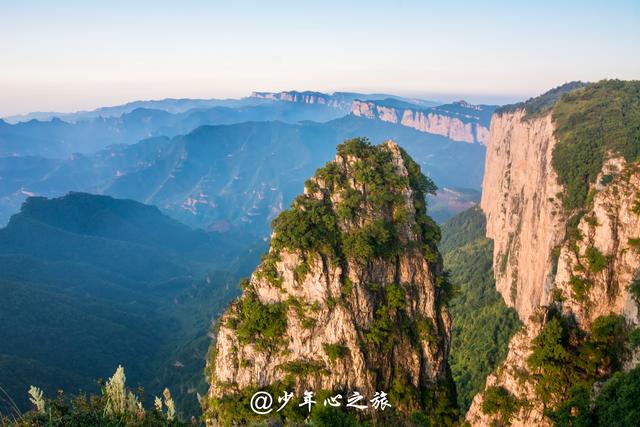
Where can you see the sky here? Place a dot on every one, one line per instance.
(74, 55)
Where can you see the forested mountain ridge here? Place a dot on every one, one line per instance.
(89, 282)
(219, 177)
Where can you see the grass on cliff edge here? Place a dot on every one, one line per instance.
(598, 121)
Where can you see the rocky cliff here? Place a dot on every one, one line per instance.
(565, 248)
(306, 97)
(519, 201)
(459, 121)
(339, 100)
(351, 296)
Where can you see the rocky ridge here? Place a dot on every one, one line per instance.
(460, 121)
(352, 295)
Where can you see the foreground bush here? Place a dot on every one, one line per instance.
(116, 406)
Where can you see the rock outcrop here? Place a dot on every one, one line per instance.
(351, 296)
(546, 267)
(611, 228)
(344, 100)
(305, 97)
(524, 218)
(459, 121)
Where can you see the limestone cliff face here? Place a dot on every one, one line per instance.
(525, 222)
(536, 264)
(385, 314)
(611, 227)
(465, 127)
(519, 201)
(306, 97)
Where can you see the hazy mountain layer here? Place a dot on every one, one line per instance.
(89, 282)
(59, 139)
(221, 176)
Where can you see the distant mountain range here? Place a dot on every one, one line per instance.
(59, 138)
(218, 164)
(170, 105)
(218, 177)
(339, 100)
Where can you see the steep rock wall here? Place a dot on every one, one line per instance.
(464, 129)
(523, 213)
(538, 264)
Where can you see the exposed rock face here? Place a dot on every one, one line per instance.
(525, 223)
(385, 314)
(523, 215)
(461, 123)
(535, 262)
(508, 376)
(613, 228)
(338, 100)
(306, 97)
(610, 225)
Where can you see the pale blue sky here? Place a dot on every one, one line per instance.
(70, 55)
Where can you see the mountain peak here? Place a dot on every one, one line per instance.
(350, 297)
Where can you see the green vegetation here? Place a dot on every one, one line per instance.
(327, 416)
(592, 122)
(89, 282)
(542, 103)
(552, 361)
(233, 409)
(634, 288)
(616, 404)
(302, 309)
(438, 402)
(373, 240)
(268, 271)
(303, 368)
(262, 324)
(386, 312)
(440, 409)
(498, 401)
(115, 406)
(354, 211)
(368, 184)
(634, 242)
(482, 323)
(619, 400)
(565, 361)
(634, 338)
(335, 351)
(464, 228)
(606, 179)
(580, 288)
(636, 205)
(310, 226)
(597, 261)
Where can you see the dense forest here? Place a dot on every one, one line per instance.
(482, 323)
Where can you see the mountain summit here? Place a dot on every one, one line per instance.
(351, 297)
